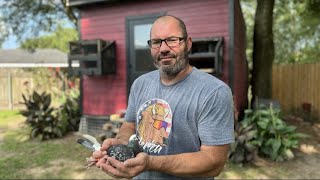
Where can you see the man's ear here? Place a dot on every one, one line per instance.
(189, 44)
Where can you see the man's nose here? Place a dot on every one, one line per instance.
(164, 47)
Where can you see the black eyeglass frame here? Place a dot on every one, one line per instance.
(165, 41)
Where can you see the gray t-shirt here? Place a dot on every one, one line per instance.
(179, 118)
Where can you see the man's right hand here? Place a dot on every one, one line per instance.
(98, 155)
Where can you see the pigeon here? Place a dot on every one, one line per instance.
(123, 152)
(120, 152)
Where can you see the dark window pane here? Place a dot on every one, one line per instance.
(143, 60)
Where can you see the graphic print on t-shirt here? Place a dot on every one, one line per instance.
(154, 121)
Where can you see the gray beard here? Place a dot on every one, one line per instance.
(170, 72)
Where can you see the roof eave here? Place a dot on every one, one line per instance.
(79, 3)
(32, 65)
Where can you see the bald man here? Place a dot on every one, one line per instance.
(182, 116)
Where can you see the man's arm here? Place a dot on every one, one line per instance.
(208, 162)
(126, 130)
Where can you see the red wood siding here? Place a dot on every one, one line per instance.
(240, 77)
(107, 94)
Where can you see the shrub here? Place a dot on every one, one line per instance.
(243, 151)
(275, 139)
(69, 114)
(40, 116)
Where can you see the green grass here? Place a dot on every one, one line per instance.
(9, 116)
(22, 158)
(235, 171)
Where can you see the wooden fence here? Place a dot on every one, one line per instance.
(12, 86)
(297, 84)
(17, 81)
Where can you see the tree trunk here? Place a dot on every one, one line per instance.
(263, 50)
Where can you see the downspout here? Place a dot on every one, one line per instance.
(231, 44)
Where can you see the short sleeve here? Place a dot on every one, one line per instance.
(130, 115)
(216, 119)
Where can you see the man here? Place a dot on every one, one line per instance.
(183, 117)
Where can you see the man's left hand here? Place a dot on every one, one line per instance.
(128, 169)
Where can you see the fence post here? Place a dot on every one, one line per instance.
(10, 99)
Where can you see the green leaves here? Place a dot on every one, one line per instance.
(243, 150)
(272, 137)
(40, 116)
(48, 122)
(30, 18)
(69, 114)
(57, 40)
(296, 29)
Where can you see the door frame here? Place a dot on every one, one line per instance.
(130, 22)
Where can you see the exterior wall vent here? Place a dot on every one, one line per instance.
(92, 57)
(207, 54)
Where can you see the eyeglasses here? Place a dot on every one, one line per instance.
(170, 41)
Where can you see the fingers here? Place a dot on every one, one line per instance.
(109, 161)
(96, 159)
(140, 160)
(105, 145)
(109, 169)
(91, 159)
(101, 161)
(115, 168)
(127, 169)
(97, 154)
(115, 163)
(91, 162)
(109, 142)
(130, 163)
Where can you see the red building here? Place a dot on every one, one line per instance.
(217, 28)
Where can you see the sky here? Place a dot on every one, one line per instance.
(10, 43)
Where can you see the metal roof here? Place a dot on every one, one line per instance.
(35, 58)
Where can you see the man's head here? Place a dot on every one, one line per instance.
(170, 44)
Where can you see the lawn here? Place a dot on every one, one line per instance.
(22, 158)
(8, 117)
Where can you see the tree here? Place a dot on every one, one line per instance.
(263, 50)
(57, 40)
(29, 18)
(52, 80)
(297, 31)
(3, 33)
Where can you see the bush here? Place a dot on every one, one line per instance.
(40, 116)
(69, 114)
(269, 133)
(49, 122)
(243, 151)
